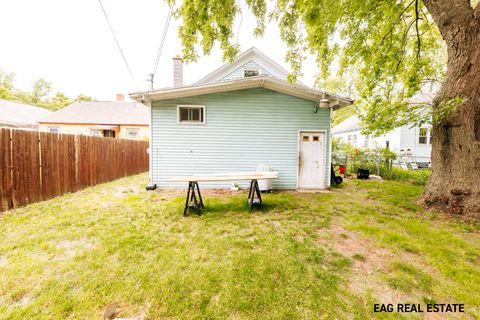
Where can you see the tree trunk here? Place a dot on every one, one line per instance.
(454, 184)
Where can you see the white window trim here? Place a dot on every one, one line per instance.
(137, 130)
(427, 144)
(53, 127)
(198, 106)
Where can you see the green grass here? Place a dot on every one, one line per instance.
(71, 256)
(418, 177)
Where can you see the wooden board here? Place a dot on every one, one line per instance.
(233, 176)
(6, 184)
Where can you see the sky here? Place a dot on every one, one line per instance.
(68, 43)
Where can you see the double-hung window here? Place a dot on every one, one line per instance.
(191, 114)
(423, 136)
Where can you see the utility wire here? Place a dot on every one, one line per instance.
(118, 43)
(162, 41)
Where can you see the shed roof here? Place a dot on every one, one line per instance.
(101, 112)
(20, 115)
(266, 82)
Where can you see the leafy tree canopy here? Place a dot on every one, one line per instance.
(385, 50)
(40, 95)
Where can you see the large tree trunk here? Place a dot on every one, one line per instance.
(454, 184)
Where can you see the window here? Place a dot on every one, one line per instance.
(305, 138)
(354, 140)
(109, 133)
(95, 133)
(250, 73)
(191, 114)
(54, 129)
(349, 139)
(316, 138)
(132, 133)
(367, 141)
(422, 136)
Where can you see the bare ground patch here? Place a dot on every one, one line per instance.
(365, 273)
(370, 263)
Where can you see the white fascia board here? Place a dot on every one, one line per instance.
(233, 85)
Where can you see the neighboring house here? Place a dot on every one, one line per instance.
(237, 117)
(20, 116)
(119, 119)
(415, 142)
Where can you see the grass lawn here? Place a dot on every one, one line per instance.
(303, 256)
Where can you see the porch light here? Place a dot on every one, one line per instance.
(324, 103)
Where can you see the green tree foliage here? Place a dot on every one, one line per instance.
(384, 50)
(41, 88)
(40, 95)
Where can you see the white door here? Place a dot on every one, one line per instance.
(311, 160)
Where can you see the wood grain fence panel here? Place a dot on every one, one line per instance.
(26, 180)
(39, 166)
(47, 168)
(6, 200)
(72, 184)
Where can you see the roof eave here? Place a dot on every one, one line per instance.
(254, 82)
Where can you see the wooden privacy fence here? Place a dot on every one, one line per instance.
(36, 166)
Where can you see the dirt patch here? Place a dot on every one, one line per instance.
(123, 190)
(370, 263)
(71, 248)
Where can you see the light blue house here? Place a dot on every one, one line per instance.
(240, 115)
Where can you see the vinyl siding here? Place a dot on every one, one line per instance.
(239, 72)
(243, 128)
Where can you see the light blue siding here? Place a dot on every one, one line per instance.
(243, 128)
(239, 72)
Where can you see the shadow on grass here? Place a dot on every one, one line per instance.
(238, 204)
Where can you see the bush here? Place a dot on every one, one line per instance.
(418, 177)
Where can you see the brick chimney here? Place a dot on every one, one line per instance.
(120, 97)
(177, 71)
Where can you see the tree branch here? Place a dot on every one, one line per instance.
(416, 29)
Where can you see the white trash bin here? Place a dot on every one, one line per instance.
(264, 185)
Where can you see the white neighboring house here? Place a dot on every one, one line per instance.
(402, 140)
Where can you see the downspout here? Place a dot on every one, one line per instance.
(150, 185)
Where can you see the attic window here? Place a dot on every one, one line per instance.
(250, 73)
(191, 114)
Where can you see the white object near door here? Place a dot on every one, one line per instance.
(311, 160)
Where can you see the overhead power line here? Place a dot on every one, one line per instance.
(118, 43)
(160, 48)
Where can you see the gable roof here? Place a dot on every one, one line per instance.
(20, 115)
(266, 82)
(352, 123)
(101, 112)
(253, 53)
